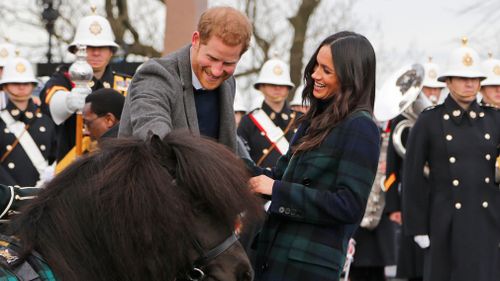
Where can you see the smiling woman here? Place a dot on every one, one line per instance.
(320, 187)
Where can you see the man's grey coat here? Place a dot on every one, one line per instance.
(161, 99)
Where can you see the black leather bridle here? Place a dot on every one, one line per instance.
(196, 273)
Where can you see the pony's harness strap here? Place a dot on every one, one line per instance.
(215, 252)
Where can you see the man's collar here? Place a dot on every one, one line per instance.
(18, 114)
(196, 82)
(458, 114)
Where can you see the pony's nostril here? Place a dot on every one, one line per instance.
(246, 276)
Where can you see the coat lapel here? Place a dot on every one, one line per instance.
(226, 117)
(184, 65)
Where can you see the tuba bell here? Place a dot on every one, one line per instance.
(400, 94)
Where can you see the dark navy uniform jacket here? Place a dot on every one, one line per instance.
(458, 206)
(66, 132)
(256, 139)
(410, 256)
(17, 168)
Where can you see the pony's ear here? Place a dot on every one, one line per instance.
(154, 139)
(163, 152)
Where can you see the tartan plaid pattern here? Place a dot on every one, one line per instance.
(35, 261)
(318, 200)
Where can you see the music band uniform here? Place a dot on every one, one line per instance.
(60, 81)
(256, 137)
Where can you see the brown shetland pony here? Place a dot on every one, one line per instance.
(143, 211)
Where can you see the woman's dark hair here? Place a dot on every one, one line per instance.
(354, 63)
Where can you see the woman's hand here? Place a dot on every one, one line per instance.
(262, 184)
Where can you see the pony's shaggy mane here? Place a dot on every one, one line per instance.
(126, 212)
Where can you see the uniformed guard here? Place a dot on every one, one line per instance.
(12, 198)
(239, 107)
(95, 33)
(410, 256)
(6, 51)
(298, 104)
(268, 129)
(454, 212)
(27, 135)
(490, 87)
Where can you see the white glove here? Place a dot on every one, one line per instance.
(75, 101)
(423, 241)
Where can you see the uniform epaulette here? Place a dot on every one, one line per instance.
(489, 106)
(62, 68)
(125, 75)
(254, 110)
(432, 107)
(121, 81)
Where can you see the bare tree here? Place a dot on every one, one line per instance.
(485, 30)
(136, 29)
(289, 30)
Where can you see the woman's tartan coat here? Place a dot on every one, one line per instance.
(318, 200)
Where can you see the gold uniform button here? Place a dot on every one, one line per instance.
(106, 85)
(481, 114)
(488, 157)
(458, 206)
(42, 147)
(9, 147)
(265, 151)
(473, 114)
(485, 204)
(39, 115)
(487, 136)
(452, 160)
(14, 112)
(272, 115)
(456, 113)
(6, 131)
(456, 182)
(487, 180)
(446, 117)
(449, 137)
(262, 133)
(284, 116)
(28, 114)
(42, 129)
(11, 165)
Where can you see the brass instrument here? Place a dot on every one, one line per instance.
(400, 94)
(376, 199)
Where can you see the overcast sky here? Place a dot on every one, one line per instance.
(433, 27)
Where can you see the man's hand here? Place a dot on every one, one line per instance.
(423, 241)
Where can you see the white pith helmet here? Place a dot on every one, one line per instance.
(18, 70)
(491, 67)
(463, 62)
(274, 72)
(297, 97)
(94, 31)
(7, 51)
(239, 104)
(431, 74)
